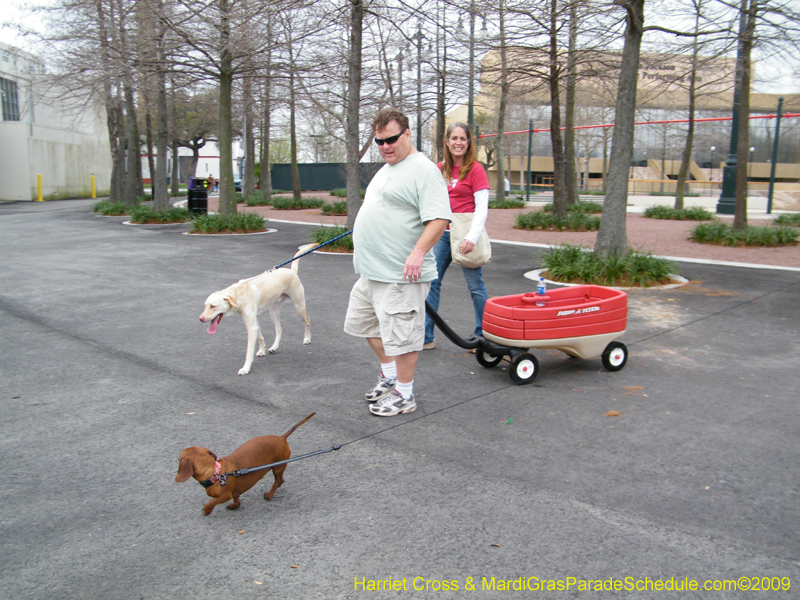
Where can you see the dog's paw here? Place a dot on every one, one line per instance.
(261, 353)
(244, 371)
(273, 350)
(232, 506)
(307, 341)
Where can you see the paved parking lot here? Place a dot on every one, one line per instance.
(107, 374)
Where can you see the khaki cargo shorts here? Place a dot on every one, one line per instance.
(393, 312)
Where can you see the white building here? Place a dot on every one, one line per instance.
(39, 135)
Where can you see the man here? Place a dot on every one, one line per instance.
(405, 211)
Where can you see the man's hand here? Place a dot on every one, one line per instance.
(412, 270)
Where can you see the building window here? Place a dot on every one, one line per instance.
(8, 91)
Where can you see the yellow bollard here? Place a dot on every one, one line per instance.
(39, 186)
(94, 195)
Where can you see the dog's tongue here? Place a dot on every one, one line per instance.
(212, 327)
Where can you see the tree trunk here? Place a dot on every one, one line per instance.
(111, 105)
(296, 189)
(114, 122)
(353, 104)
(148, 136)
(743, 144)
(559, 188)
(133, 157)
(612, 238)
(227, 191)
(175, 175)
(440, 87)
(249, 179)
(501, 112)
(605, 160)
(440, 112)
(569, 116)
(265, 176)
(160, 193)
(687, 148)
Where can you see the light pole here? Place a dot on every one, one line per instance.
(774, 156)
(711, 187)
(749, 163)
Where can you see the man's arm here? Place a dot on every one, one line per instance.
(433, 231)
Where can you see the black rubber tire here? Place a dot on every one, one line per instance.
(487, 360)
(524, 368)
(615, 356)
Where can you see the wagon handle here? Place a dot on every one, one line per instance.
(474, 341)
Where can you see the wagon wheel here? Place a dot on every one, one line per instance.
(615, 356)
(487, 360)
(524, 368)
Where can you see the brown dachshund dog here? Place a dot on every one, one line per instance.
(202, 464)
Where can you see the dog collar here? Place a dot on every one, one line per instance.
(214, 478)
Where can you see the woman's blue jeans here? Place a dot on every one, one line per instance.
(475, 284)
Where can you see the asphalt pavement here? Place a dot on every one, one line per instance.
(488, 490)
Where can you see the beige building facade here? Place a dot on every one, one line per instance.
(662, 103)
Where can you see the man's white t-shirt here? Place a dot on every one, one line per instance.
(399, 201)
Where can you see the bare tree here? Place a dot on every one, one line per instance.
(501, 110)
(569, 106)
(265, 175)
(689, 142)
(353, 103)
(612, 237)
(222, 40)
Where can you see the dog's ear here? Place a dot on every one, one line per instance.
(185, 469)
(231, 299)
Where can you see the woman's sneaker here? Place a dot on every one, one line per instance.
(393, 404)
(381, 389)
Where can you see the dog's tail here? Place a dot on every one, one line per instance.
(291, 431)
(301, 250)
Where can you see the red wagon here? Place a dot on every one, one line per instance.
(582, 321)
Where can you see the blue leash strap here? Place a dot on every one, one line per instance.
(223, 477)
(338, 237)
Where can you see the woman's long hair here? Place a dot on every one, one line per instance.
(469, 155)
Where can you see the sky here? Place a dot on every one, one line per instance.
(12, 14)
(776, 76)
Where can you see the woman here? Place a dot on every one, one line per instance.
(469, 193)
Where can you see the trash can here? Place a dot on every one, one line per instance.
(197, 194)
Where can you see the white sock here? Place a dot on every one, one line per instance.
(389, 370)
(405, 389)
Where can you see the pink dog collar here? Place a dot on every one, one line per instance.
(214, 478)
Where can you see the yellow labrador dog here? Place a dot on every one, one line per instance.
(250, 296)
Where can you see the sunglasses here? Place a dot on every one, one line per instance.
(389, 140)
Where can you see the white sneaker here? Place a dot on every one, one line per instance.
(393, 404)
(381, 389)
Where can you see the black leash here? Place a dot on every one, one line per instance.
(239, 472)
(312, 250)
(223, 477)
